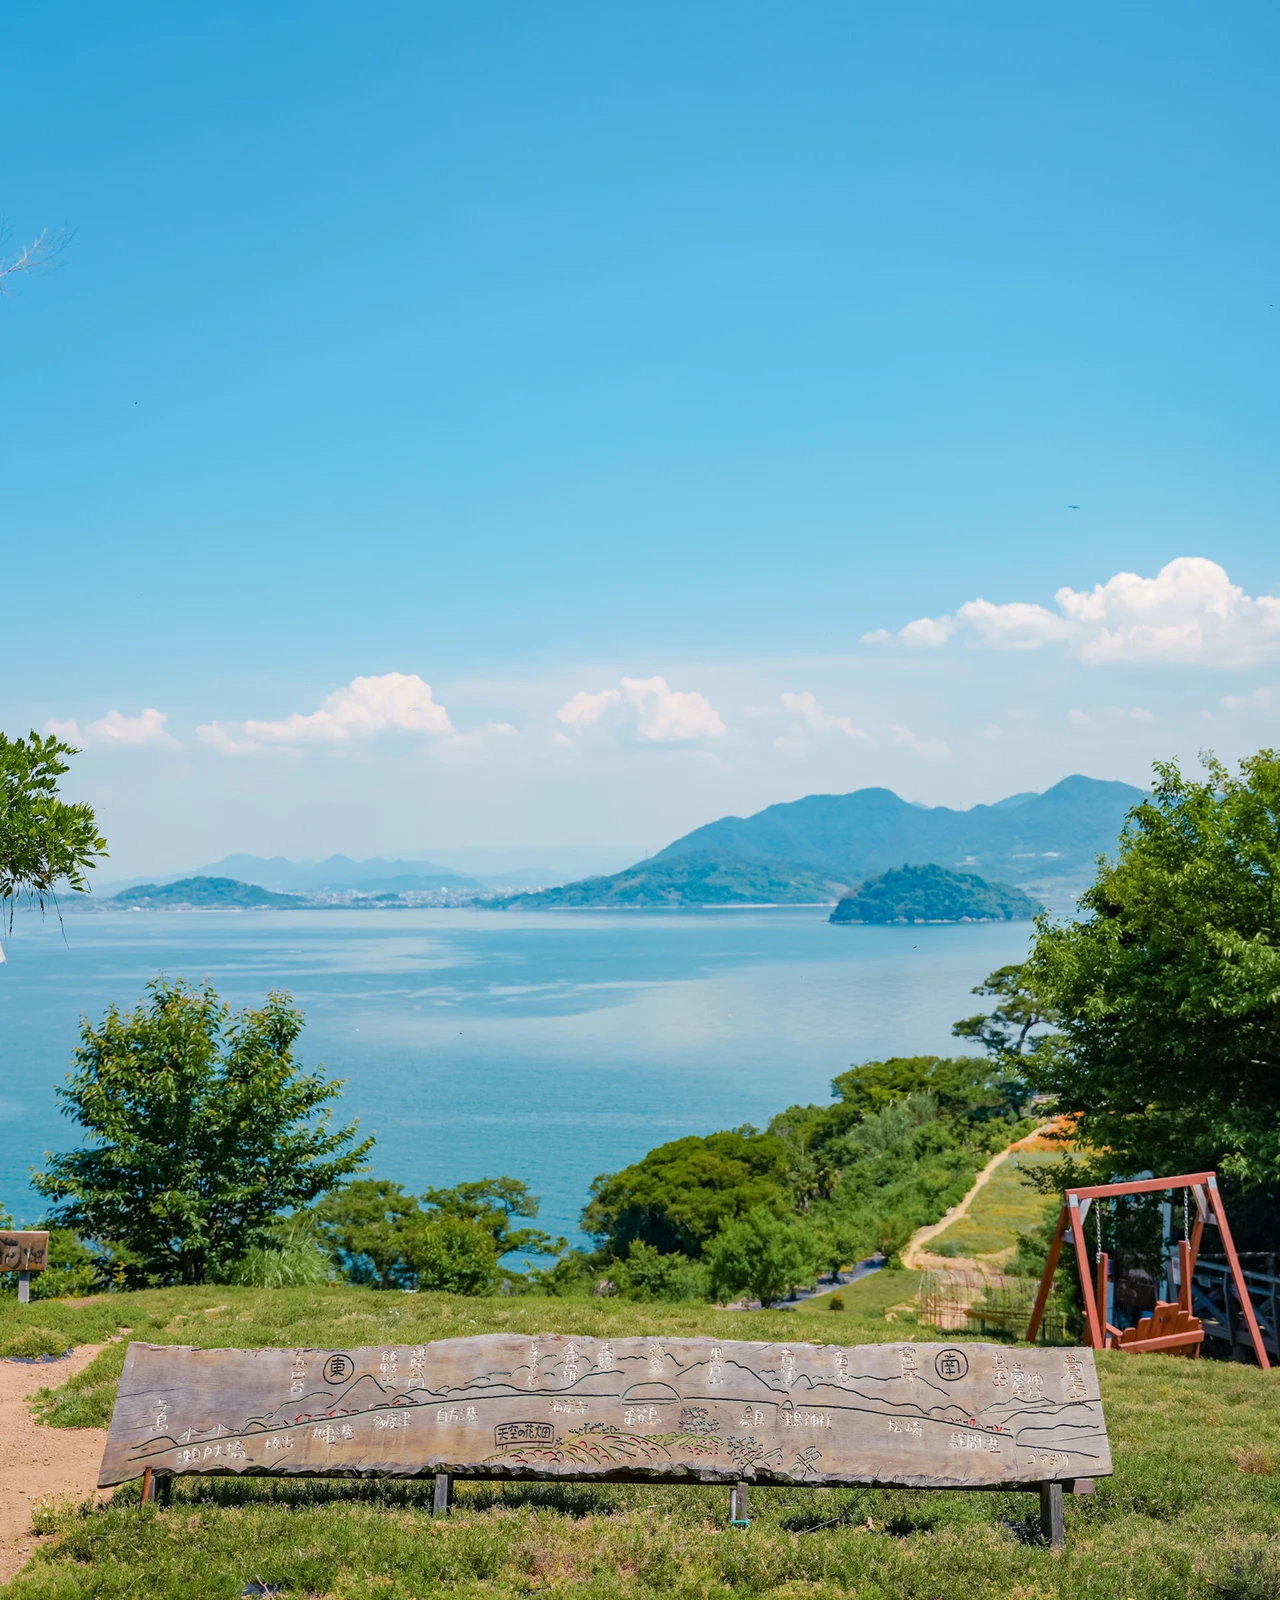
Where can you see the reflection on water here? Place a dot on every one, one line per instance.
(551, 1047)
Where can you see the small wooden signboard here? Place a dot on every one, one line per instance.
(550, 1406)
(24, 1251)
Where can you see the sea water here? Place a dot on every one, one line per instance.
(550, 1047)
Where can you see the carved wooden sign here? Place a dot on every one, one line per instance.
(24, 1250)
(552, 1406)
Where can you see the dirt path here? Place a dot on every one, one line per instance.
(915, 1256)
(38, 1463)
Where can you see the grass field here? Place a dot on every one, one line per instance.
(1193, 1509)
(1002, 1209)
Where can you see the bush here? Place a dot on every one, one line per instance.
(763, 1255)
(647, 1274)
(35, 1341)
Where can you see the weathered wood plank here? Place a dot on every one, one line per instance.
(552, 1406)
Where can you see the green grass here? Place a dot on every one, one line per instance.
(869, 1298)
(1192, 1511)
(1002, 1209)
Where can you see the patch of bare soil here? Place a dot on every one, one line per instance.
(38, 1463)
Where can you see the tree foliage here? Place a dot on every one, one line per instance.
(450, 1240)
(1167, 987)
(678, 1196)
(44, 841)
(203, 1130)
(1009, 1031)
(761, 1254)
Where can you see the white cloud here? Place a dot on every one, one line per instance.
(809, 724)
(930, 749)
(585, 709)
(1189, 613)
(116, 731)
(395, 702)
(647, 707)
(806, 707)
(1259, 700)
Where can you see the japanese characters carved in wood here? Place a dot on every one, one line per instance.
(553, 1406)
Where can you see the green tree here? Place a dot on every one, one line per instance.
(363, 1225)
(1008, 1031)
(678, 1196)
(203, 1130)
(492, 1204)
(1167, 989)
(967, 1086)
(44, 841)
(450, 1253)
(763, 1255)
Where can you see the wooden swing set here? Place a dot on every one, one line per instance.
(1172, 1327)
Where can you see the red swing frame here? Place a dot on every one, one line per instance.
(1209, 1210)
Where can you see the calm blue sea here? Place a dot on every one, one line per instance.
(549, 1047)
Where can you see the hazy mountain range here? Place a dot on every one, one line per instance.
(1044, 843)
(801, 852)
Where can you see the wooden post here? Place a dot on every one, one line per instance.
(738, 1507)
(24, 1288)
(1046, 1279)
(148, 1485)
(1096, 1339)
(1052, 1522)
(1246, 1305)
(442, 1498)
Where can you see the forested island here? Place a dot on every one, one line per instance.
(704, 879)
(933, 894)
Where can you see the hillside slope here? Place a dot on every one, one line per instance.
(702, 879)
(204, 894)
(853, 836)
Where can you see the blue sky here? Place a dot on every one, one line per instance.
(535, 352)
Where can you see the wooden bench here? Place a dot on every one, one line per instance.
(1169, 1328)
(555, 1407)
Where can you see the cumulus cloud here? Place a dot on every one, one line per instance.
(648, 708)
(116, 731)
(806, 708)
(930, 749)
(809, 724)
(395, 702)
(1189, 613)
(1259, 700)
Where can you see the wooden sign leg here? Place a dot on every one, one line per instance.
(24, 1288)
(738, 1506)
(1052, 1522)
(442, 1498)
(148, 1485)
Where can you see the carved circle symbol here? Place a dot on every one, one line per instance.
(337, 1369)
(951, 1365)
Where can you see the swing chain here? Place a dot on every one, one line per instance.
(1097, 1220)
(1186, 1217)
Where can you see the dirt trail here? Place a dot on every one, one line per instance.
(38, 1463)
(915, 1256)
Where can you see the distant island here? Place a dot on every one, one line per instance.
(933, 894)
(801, 852)
(705, 879)
(816, 848)
(204, 894)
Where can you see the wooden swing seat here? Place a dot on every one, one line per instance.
(1168, 1329)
